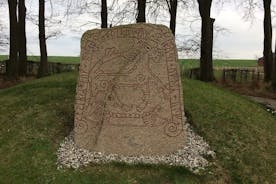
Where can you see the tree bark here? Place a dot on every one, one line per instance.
(12, 64)
(43, 67)
(274, 70)
(141, 8)
(104, 14)
(206, 51)
(173, 11)
(267, 41)
(22, 38)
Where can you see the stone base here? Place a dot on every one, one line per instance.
(132, 141)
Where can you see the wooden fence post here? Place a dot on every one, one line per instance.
(253, 74)
(223, 75)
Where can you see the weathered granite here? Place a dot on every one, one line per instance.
(129, 95)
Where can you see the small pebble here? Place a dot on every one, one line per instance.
(191, 156)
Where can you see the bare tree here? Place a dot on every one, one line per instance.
(12, 64)
(17, 66)
(54, 21)
(141, 9)
(22, 45)
(104, 14)
(189, 46)
(97, 9)
(4, 40)
(274, 70)
(250, 7)
(267, 41)
(43, 67)
(172, 6)
(206, 51)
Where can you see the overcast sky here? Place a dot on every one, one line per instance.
(242, 40)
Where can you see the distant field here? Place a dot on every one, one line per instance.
(186, 63)
(3, 57)
(58, 59)
(193, 63)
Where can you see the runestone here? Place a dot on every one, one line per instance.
(129, 94)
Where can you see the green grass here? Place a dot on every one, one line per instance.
(3, 57)
(55, 59)
(194, 63)
(37, 115)
(241, 132)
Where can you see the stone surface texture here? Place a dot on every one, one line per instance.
(129, 95)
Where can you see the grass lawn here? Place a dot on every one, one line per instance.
(37, 115)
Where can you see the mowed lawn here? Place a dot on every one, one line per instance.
(186, 63)
(36, 116)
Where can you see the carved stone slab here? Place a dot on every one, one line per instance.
(129, 94)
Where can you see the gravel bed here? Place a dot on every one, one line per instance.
(191, 156)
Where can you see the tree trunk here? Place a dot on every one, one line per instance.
(267, 41)
(22, 38)
(43, 67)
(104, 14)
(274, 70)
(12, 64)
(141, 8)
(206, 51)
(173, 11)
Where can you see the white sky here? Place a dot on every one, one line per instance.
(244, 40)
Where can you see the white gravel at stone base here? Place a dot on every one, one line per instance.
(191, 156)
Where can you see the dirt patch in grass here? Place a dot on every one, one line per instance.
(254, 88)
(4, 83)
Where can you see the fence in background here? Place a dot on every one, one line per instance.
(221, 74)
(192, 73)
(228, 74)
(2, 67)
(242, 75)
(53, 68)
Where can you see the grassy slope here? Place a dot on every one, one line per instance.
(36, 116)
(34, 119)
(241, 132)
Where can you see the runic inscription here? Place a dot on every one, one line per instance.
(129, 94)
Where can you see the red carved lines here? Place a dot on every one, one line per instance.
(175, 127)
